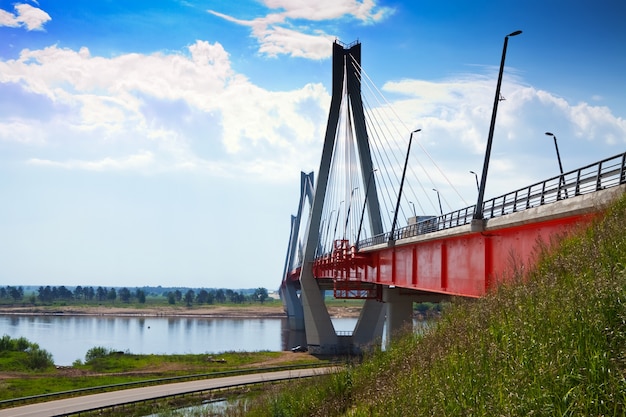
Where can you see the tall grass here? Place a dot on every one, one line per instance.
(551, 342)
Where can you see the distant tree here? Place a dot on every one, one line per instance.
(189, 296)
(45, 294)
(16, 293)
(260, 295)
(3, 293)
(202, 297)
(112, 294)
(101, 294)
(171, 298)
(63, 293)
(89, 293)
(220, 297)
(124, 295)
(79, 293)
(179, 295)
(141, 296)
(237, 297)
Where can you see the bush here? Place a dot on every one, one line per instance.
(95, 353)
(24, 354)
(39, 359)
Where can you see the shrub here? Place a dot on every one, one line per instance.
(39, 359)
(24, 354)
(95, 353)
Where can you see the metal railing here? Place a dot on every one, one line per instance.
(601, 175)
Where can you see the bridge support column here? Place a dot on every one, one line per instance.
(399, 311)
(369, 327)
(292, 306)
(321, 337)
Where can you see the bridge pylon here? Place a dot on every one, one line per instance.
(320, 332)
(290, 285)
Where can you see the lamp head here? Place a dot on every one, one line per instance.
(549, 134)
(517, 32)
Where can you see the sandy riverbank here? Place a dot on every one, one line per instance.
(244, 311)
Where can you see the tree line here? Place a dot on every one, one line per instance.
(51, 294)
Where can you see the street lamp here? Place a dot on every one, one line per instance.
(558, 157)
(476, 176)
(478, 212)
(438, 198)
(414, 213)
(406, 162)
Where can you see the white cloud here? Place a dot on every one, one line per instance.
(454, 115)
(131, 162)
(170, 105)
(278, 34)
(366, 10)
(25, 15)
(163, 112)
(277, 40)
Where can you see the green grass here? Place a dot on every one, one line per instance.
(549, 343)
(121, 368)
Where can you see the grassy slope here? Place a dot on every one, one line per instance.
(551, 345)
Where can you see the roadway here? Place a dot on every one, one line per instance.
(108, 399)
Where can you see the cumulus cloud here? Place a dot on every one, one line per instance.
(278, 34)
(184, 111)
(192, 111)
(454, 115)
(32, 18)
(106, 164)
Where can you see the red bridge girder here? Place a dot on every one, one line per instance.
(466, 264)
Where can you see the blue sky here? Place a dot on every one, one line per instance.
(161, 143)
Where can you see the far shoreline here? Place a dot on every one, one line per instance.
(218, 311)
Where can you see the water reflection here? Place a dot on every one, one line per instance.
(145, 335)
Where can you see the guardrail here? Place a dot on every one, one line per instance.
(600, 175)
(125, 405)
(113, 387)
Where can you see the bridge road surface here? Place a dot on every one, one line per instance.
(107, 399)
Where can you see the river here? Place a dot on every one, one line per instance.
(68, 338)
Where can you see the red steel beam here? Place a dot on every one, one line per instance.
(466, 264)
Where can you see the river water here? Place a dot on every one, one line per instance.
(68, 338)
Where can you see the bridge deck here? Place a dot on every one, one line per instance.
(459, 261)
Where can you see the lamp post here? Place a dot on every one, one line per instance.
(414, 213)
(406, 162)
(367, 190)
(439, 199)
(478, 212)
(558, 157)
(476, 176)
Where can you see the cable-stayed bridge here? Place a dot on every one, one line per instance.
(357, 231)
